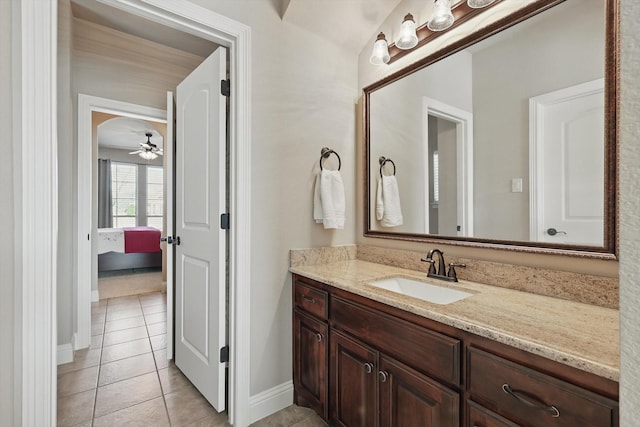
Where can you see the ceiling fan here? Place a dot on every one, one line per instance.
(148, 150)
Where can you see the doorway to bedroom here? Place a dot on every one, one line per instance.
(129, 198)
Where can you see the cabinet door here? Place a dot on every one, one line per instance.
(411, 399)
(310, 361)
(353, 383)
(477, 416)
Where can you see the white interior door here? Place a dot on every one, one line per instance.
(568, 172)
(200, 273)
(169, 213)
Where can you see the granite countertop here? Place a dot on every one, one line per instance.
(579, 335)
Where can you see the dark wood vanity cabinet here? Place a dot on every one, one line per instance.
(369, 389)
(532, 398)
(310, 348)
(360, 363)
(353, 391)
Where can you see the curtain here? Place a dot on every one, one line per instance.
(105, 213)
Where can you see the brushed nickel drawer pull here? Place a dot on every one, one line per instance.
(368, 367)
(382, 376)
(307, 299)
(319, 337)
(532, 404)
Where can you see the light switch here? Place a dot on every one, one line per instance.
(516, 185)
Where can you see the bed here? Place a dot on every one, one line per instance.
(128, 248)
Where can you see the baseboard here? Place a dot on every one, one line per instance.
(65, 353)
(95, 296)
(270, 401)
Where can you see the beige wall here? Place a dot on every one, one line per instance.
(630, 213)
(8, 260)
(368, 74)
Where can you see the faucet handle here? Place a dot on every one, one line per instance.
(452, 270)
(432, 265)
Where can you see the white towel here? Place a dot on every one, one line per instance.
(328, 199)
(388, 210)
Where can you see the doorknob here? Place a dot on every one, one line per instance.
(552, 231)
(171, 240)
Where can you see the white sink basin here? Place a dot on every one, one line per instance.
(424, 291)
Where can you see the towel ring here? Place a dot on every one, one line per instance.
(325, 153)
(383, 161)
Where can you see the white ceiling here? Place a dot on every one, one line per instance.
(126, 133)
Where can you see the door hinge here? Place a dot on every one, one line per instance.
(225, 87)
(224, 354)
(225, 221)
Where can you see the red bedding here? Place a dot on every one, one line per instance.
(141, 240)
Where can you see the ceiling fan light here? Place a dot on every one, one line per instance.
(148, 155)
(380, 54)
(442, 17)
(408, 38)
(477, 4)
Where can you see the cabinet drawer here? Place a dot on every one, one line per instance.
(311, 300)
(531, 398)
(429, 352)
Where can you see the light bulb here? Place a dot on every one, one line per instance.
(477, 4)
(380, 54)
(408, 38)
(442, 17)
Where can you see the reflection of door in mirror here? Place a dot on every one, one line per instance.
(442, 206)
(566, 175)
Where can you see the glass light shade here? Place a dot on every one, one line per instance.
(148, 155)
(442, 17)
(477, 4)
(408, 38)
(380, 54)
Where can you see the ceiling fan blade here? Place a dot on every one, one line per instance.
(159, 153)
(145, 145)
(136, 152)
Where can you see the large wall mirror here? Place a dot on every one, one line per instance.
(507, 138)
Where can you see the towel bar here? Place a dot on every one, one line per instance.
(383, 161)
(325, 153)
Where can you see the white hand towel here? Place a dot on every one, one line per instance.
(317, 203)
(388, 210)
(328, 200)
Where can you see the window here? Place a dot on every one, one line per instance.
(124, 194)
(155, 196)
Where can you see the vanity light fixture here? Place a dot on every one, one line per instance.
(380, 54)
(442, 18)
(408, 38)
(477, 4)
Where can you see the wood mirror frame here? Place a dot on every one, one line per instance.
(609, 250)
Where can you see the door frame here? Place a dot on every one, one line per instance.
(537, 104)
(37, 123)
(85, 162)
(464, 159)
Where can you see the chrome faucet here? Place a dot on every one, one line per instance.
(441, 271)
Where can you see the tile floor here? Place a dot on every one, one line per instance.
(124, 378)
